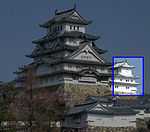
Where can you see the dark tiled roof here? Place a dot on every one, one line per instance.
(64, 17)
(73, 73)
(100, 99)
(71, 34)
(69, 48)
(81, 108)
(135, 104)
(49, 51)
(114, 110)
(85, 62)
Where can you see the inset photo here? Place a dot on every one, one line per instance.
(127, 76)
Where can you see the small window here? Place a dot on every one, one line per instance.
(131, 80)
(50, 29)
(70, 27)
(57, 28)
(78, 27)
(74, 27)
(61, 27)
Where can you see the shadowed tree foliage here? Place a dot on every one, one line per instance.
(38, 107)
(7, 96)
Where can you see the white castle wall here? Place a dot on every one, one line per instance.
(111, 121)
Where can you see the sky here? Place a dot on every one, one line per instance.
(124, 27)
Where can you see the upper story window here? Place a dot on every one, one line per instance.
(61, 27)
(116, 86)
(50, 29)
(75, 28)
(70, 27)
(56, 28)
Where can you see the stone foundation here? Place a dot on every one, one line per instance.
(100, 129)
(72, 94)
(78, 93)
(112, 129)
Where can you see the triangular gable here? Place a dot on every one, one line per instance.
(123, 64)
(75, 15)
(86, 53)
(126, 64)
(99, 107)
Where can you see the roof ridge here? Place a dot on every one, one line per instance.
(64, 11)
(85, 103)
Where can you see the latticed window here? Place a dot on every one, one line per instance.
(70, 27)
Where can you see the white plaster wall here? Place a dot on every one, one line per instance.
(123, 89)
(88, 79)
(111, 121)
(81, 28)
(52, 28)
(73, 42)
(126, 72)
(123, 80)
(102, 70)
(87, 57)
(71, 67)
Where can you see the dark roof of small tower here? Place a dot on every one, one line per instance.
(64, 17)
(71, 34)
(108, 110)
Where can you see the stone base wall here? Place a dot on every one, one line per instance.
(78, 93)
(112, 129)
(100, 129)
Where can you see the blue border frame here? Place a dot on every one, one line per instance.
(141, 57)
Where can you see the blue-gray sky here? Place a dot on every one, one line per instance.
(124, 27)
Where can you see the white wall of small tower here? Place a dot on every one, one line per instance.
(126, 72)
(111, 121)
(124, 84)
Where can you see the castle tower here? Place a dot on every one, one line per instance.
(124, 79)
(67, 58)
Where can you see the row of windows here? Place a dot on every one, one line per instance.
(127, 80)
(127, 87)
(56, 28)
(74, 27)
(60, 27)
